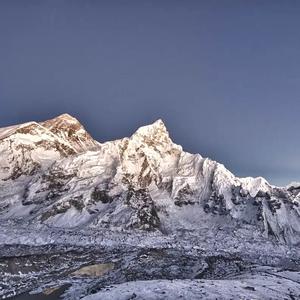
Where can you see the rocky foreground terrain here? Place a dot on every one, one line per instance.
(138, 218)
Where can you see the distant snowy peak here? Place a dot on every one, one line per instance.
(64, 128)
(29, 147)
(70, 129)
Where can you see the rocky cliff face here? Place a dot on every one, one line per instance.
(54, 173)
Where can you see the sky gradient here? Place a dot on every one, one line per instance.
(223, 75)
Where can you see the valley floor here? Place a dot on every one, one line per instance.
(40, 263)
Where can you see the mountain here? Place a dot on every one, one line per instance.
(55, 173)
(69, 129)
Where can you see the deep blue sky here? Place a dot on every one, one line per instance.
(223, 75)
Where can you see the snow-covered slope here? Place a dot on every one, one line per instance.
(55, 173)
(254, 287)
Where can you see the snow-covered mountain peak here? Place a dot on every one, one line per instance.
(156, 129)
(66, 117)
(148, 155)
(71, 130)
(157, 125)
(154, 135)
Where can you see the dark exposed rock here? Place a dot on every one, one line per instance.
(185, 196)
(142, 204)
(78, 203)
(101, 195)
(56, 209)
(221, 266)
(215, 204)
